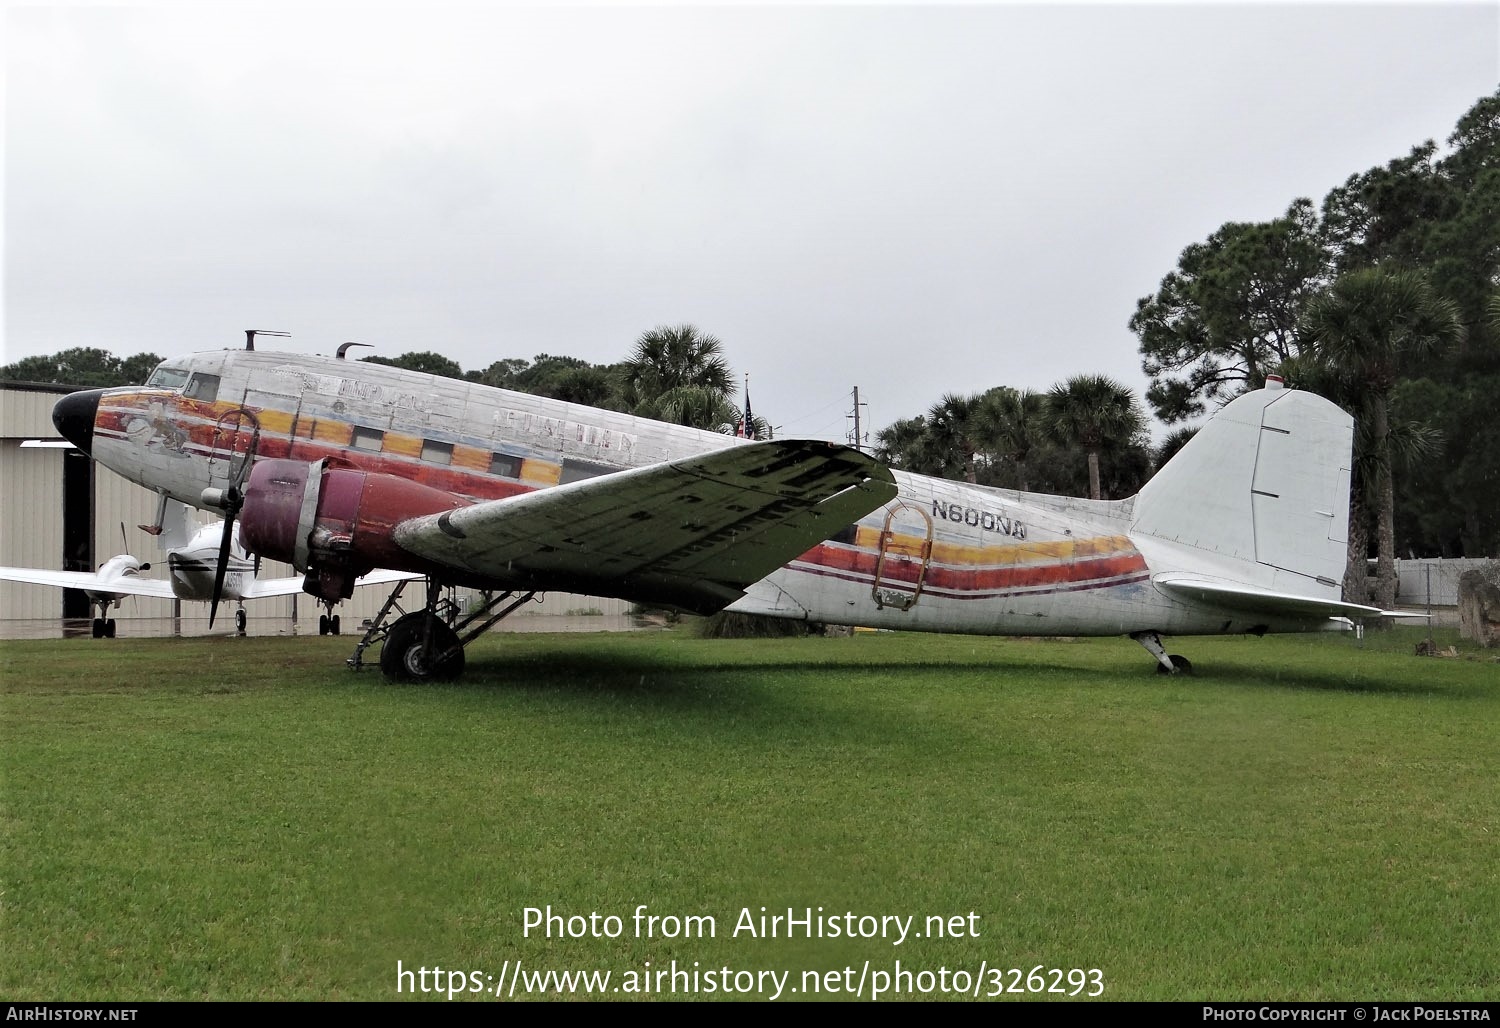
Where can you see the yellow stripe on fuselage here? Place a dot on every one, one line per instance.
(959, 554)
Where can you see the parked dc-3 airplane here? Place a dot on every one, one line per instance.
(339, 467)
(192, 560)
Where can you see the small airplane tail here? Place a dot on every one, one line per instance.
(1264, 483)
(178, 526)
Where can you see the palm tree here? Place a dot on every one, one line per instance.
(1364, 328)
(1174, 441)
(1091, 412)
(1010, 424)
(679, 374)
(906, 444)
(953, 430)
(697, 406)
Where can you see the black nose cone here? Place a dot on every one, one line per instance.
(74, 417)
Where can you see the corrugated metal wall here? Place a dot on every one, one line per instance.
(31, 496)
(31, 530)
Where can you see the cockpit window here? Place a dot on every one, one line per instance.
(167, 378)
(202, 387)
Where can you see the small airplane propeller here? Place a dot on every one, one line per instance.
(125, 539)
(231, 500)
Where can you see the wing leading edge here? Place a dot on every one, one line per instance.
(261, 588)
(124, 585)
(693, 533)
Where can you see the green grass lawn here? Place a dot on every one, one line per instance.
(1304, 818)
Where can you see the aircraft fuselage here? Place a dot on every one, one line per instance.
(944, 556)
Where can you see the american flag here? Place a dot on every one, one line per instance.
(746, 429)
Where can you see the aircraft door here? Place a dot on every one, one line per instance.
(236, 436)
(905, 555)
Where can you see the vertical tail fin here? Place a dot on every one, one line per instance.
(178, 526)
(1265, 481)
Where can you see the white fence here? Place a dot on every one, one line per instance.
(1434, 577)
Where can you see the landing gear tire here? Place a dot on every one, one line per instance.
(239, 622)
(1181, 663)
(322, 624)
(405, 657)
(109, 629)
(98, 628)
(333, 625)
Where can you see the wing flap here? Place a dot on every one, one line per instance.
(693, 532)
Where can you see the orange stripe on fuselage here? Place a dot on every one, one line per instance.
(471, 457)
(401, 445)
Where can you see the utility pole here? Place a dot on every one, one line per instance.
(858, 438)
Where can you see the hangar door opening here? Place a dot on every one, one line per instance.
(78, 527)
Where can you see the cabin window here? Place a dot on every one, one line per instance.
(167, 378)
(367, 438)
(437, 453)
(505, 465)
(202, 387)
(578, 470)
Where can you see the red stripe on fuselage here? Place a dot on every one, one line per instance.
(860, 565)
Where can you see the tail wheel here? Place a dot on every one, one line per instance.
(406, 657)
(1181, 664)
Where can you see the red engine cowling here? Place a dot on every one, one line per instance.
(333, 523)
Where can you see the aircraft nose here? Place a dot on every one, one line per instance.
(74, 417)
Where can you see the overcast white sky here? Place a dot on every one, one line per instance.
(911, 199)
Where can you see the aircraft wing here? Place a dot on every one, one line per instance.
(692, 533)
(1195, 588)
(126, 585)
(260, 588)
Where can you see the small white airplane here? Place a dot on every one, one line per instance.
(339, 467)
(192, 562)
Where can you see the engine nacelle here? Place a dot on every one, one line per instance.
(332, 523)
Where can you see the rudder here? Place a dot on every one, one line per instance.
(1266, 480)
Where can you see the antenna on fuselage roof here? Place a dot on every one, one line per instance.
(344, 348)
(251, 333)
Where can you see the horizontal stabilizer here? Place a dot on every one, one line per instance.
(1239, 597)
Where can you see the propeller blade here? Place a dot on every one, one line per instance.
(232, 503)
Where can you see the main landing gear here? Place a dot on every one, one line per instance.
(328, 623)
(104, 625)
(428, 644)
(1166, 663)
